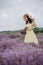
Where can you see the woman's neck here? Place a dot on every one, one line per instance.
(27, 22)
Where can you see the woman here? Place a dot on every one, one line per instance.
(29, 26)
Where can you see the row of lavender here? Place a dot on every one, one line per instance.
(13, 50)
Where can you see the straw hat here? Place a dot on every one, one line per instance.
(24, 16)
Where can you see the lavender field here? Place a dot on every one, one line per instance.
(13, 50)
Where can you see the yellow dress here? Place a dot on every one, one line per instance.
(30, 35)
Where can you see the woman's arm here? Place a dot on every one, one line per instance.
(25, 29)
(33, 23)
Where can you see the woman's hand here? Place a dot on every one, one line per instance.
(24, 31)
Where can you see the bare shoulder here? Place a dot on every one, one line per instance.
(34, 24)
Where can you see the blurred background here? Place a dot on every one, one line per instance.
(11, 12)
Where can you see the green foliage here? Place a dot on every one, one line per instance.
(36, 30)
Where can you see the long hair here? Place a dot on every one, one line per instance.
(29, 18)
